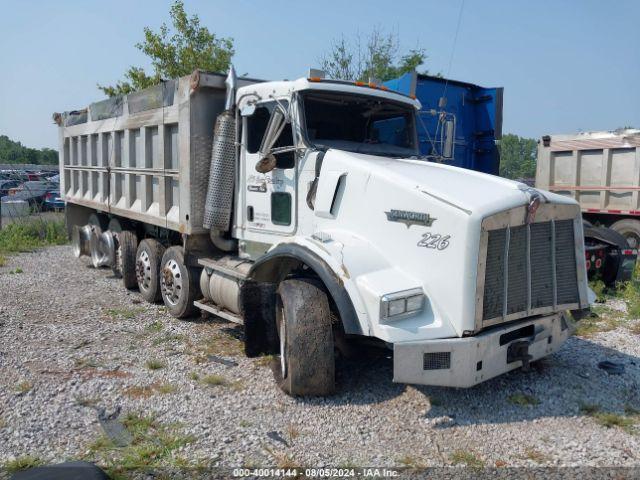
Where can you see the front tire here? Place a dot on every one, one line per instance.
(303, 319)
(179, 284)
(148, 259)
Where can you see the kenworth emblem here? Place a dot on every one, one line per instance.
(410, 218)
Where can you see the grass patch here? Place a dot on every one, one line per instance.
(154, 327)
(31, 234)
(244, 423)
(23, 463)
(292, 431)
(17, 270)
(194, 376)
(3, 260)
(225, 342)
(589, 408)
(466, 458)
(410, 461)
(87, 401)
(264, 361)
(154, 364)
(126, 313)
(153, 447)
(600, 289)
(523, 400)
(604, 320)
(146, 391)
(215, 380)
(610, 420)
(168, 338)
(24, 387)
(535, 455)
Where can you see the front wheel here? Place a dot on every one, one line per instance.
(303, 319)
(179, 283)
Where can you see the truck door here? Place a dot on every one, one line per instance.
(269, 198)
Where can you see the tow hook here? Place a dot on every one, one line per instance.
(519, 350)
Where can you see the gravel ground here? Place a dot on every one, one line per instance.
(73, 341)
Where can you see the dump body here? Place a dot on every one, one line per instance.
(145, 156)
(600, 170)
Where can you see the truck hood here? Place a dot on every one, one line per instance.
(466, 190)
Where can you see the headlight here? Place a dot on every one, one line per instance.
(394, 306)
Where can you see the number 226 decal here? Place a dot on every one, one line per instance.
(434, 240)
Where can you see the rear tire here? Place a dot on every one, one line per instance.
(148, 259)
(307, 359)
(629, 229)
(125, 265)
(99, 221)
(179, 284)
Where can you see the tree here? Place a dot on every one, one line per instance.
(518, 156)
(379, 57)
(14, 152)
(173, 54)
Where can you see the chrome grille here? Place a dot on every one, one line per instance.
(529, 269)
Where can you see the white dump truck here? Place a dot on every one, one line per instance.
(303, 210)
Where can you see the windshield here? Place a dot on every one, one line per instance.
(359, 123)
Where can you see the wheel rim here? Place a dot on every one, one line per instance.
(282, 332)
(143, 270)
(171, 282)
(633, 240)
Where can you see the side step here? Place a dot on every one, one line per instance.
(208, 307)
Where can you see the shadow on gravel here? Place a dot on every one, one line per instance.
(566, 384)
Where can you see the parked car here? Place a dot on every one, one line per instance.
(52, 200)
(7, 185)
(34, 191)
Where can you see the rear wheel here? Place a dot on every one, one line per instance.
(629, 229)
(98, 220)
(148, 259)
(179, 283)
(303, 319)
(125, 264)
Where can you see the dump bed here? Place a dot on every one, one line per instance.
(144, 156)
(601, 170)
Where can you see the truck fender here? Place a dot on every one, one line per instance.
(279, 262)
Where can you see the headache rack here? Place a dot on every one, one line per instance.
(528, 269)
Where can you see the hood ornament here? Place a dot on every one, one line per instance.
(410, 218)
(532, 208)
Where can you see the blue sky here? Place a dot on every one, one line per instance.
(565, 66)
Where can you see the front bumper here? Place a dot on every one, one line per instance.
(467, 361)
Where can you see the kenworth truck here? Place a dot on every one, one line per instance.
(304, 210)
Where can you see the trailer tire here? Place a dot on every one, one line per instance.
(629, 229)
(115, 225)
(303, 319)
(125, 265)
(179, 284)
(148, 258)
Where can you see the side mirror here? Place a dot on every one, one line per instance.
(276, 125)
(449, 136)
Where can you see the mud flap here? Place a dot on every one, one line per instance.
(259, 313)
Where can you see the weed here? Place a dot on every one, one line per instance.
(589, 408)
(29, 235)
(600, 289)
(154, 364)
(411, 462)
(534, 455)
(23, 463)
(153, 446)
(609, 420)
(604, 320)
(146, 391)
(292, 431)
(214, 380)
(167, 388)
(154, 327)
(466, 458)
(23, 387)
(125, 313)
(86, 401)
(523, 399)
(168, 338)
(244, 423)
(3, 260)
(86, 363)
(194, 376)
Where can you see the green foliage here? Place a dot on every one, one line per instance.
(518, 156)
(378, 57)
(24, 237)
(173, 54)
(14, 153)
(23, 463)
(523, 400)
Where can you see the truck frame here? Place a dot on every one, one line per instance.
(304, 210)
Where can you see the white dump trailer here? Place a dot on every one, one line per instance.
(601, 171)
(303, 210)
